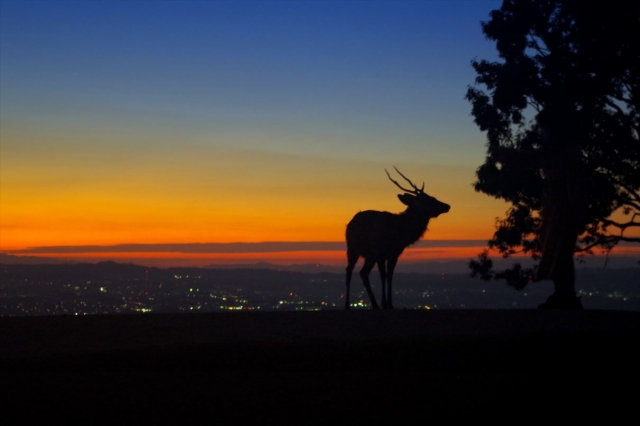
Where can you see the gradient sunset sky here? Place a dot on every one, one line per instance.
(180, 122)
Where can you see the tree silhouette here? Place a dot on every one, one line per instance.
(561, 114)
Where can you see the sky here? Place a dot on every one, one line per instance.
(169, 124)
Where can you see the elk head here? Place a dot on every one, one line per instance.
(417, 200)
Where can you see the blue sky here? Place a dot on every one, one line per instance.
(385, 73)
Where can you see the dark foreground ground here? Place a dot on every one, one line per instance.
(320, 367)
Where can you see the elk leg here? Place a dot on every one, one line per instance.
(364, 274)
(383, 277)
(352, 260)
(391, 266)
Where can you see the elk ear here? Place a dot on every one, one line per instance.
(406, 199)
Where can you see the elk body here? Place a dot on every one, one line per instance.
(381, 237)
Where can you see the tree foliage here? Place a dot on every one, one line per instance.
(573, 67)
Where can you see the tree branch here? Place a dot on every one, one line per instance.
(533, 43)
(607, 240)
(631, 223)
(631, 204)
(633, 196)
(617, 108)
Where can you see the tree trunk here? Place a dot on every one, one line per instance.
(563, 210)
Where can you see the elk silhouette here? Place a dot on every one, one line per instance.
(381, 237)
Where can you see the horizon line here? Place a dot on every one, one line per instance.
(232, 247)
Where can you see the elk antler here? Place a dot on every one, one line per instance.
(415, 188)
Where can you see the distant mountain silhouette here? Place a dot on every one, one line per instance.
(457, 266)
(8, 259)
(303, 267)
(430, 267)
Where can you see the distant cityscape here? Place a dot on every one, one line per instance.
(115, 288)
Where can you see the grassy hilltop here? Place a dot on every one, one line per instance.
(443, 360)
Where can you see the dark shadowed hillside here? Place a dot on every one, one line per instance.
(254, 365)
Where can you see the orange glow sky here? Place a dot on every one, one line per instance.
(222, 122)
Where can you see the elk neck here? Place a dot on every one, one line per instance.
(412, 224)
